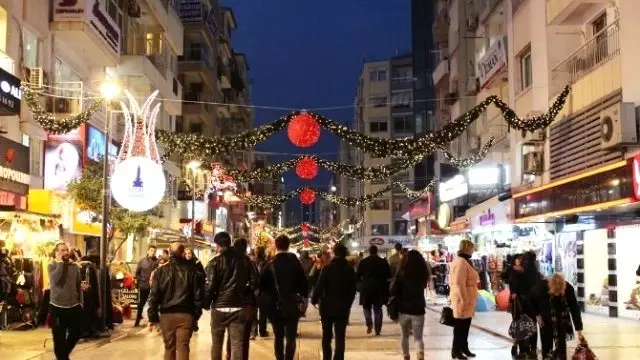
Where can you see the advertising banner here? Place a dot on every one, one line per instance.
(63, 159)
(95, 145)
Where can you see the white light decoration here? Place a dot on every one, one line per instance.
(138, 182)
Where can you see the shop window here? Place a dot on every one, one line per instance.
(596, 272)
(379, 229)
(400, 227)
(566, 256)
(628, 271)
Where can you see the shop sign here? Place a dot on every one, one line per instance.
(14, 167)
(444, 216)
(93, 13)
(388, 242)
(10, 94)
(459, 225)
(191, 11)
(420, 207)
(498, 214)
(138, 183)
(636, 177)
(12, 200)
(492, 62)
(453, 188)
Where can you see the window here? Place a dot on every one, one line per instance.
(115, 12)
(376, 126)
(400, 227)
(380, 204)
(380, 229)
(402, 99)
(179, 124)
(195, 128)
(525, 70)
(398, 205)
(378, 75)
(378, 101)
(402, 75)
(32, 48)
(35, 154)
(402, 123)
(4, 21)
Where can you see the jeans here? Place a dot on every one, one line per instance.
(177, 329)
(284, 328)
(377, 316)
(546, 337)
(408, 324)
(246, 335)
(143, 296)
(260, 323)
(66, 328)
(333, 325)
(236, 323)
(461, 335)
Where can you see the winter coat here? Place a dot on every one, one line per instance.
(463, 282)
(336, 289)
(144, 270)
(373, 276)
(307, 264)
(409, 289)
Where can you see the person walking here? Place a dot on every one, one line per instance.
(529, 280)
(463, 282)
(194, 261)
(518, 302)
(373, 277)
(176, 294)
(408, 286)
(260, 326)
(335, 292)
(394, 259)
(555, 307)
(284, 284)
(65, 303)
(231, 285)
(143, 275)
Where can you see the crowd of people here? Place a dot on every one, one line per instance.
(243, 292)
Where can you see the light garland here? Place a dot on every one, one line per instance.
(536, 122)
(49, 122)
(472, 160)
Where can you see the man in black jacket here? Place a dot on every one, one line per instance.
(177, 293)
(335, 291)
(373, 275)
(284, 284)
(143, 273)
(231, 286)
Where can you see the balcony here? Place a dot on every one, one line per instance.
(197, 104)
(593, 70)
(196, 59)
(573, 12)
(442, 69)
(161, 12)
(93, 36)
(486, 7)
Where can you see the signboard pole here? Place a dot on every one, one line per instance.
(104, 241)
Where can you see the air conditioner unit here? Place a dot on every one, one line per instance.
(532, 163)
(618, 125)
(36, 78)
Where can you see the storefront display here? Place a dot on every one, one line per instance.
(596, 273)
(566, 260)
(628, 266)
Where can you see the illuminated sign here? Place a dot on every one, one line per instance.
(636, 177)
(453, 189)
(92, 12)
(138, 183)
(10, 94)
(444, 216)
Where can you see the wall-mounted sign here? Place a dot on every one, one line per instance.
(420, 207)
(10, 94)
(95, 145)
(453, 188)
(63, 159)
(14, 167)
(492, 63)
(192, 11)
(636, 177)
(138, 183)
(388, 242)
(92, 12)
(497, 214)
(444, 216)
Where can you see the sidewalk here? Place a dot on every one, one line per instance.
(38, 343)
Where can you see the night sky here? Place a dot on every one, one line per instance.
(307, 54)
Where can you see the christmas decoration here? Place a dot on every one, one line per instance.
(307, 168)
(307, 196)
(304, 227)
(303, 130)
(49, 122)
(471, 160)
(536, 122)
(138, 182)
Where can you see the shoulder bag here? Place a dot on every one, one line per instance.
(293, 307)
(522, 326)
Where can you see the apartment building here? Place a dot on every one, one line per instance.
(384, 108)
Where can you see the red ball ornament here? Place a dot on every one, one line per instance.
(307, 196)
(307, 168)
(306, 244)
(304, 227)
(303, 130)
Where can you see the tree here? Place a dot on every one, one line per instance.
(87, 194)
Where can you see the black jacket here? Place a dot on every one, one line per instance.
(373, 275)
(517, 283)
(409, 288)
(291, 279)
(335, 289)
(541, 302)
(177, 288)
(231, 281)
(144, 270)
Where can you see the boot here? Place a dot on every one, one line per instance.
(458, 356)
(420, 355)
(468, 353)
(407, 357)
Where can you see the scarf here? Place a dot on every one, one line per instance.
(562, 320)
(465, 256)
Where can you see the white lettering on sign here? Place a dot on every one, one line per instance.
(453, 188)
(10, 89)
(13, 175)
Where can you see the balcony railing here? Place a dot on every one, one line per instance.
(152, 49)
(197, 54)
(602, 47)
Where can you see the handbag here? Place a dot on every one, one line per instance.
(446, 316)
(583, 352)
(522, 326)
(289, 308)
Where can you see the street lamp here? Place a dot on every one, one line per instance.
(109, 91)
(193, 165)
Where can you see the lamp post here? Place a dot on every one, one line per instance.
(109, 92)
(193, 165)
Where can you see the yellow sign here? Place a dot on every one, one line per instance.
(86, 223)
(444, 216)
(45, 202)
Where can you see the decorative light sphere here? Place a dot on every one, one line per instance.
(307, 196)
(138, 184)
(307, 168)
(303, 130)
(304, 227)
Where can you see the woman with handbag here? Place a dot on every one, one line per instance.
(463, 282)
(557, 311)
(517, 302)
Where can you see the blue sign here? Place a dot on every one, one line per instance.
(95, 145)
(192, 11)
